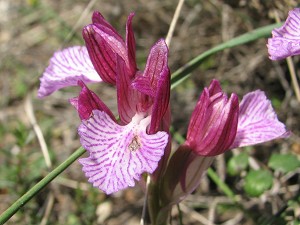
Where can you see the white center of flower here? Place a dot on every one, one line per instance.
(134, 144)
(140, 123)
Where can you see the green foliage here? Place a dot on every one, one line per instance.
(284, 162)
(257, 182)
(237, 163)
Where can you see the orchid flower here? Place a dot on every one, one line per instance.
(119, 151)
(217, 125)
(285, 40)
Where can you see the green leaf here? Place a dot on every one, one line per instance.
(284, 162)
(237, 163)
(257, 182)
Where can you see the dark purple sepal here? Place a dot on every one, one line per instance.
(130, 45)
(213, 124)
(156, 66)
(87, 101)
(161, 103)
(127, 96)
(98, 19)
(102, 55)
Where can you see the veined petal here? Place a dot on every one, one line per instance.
(127, 96)
(214, 87)
(66, 67)
(157, 64)
(257, 121)
(87, 101)
(119, 154)
(285, 40)
(281, 48)
(102, 48)
(99, 19)
(130, 44)
(155, 82)
(161, 103)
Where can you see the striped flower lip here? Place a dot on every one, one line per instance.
(66, 67)
(285, 40)
(118, 155)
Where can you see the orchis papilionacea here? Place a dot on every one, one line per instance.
(218, 124)
(121, 150)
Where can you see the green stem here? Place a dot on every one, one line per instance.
(184, 72)
(5, 216)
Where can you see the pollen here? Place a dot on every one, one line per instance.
(134, 144)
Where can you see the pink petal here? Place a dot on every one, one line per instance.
(161, 103)
(87, 101)
(286, 39)
(66, 67)
(157, 64)
(155, 82)
(257, 121)
(214, 87)
(119, 154)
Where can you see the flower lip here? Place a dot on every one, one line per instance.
(118, 155)
(65, 68)
(285, 40)
(257, 121)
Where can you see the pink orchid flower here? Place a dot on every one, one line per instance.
(285, 40)
(119, 151)
(217, 125)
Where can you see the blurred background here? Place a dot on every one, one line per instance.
(31, 31)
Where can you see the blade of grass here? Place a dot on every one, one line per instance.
(181, 74)
(6, 215)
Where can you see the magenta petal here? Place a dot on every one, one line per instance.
(127, 96)
(213, 125)
(66, 67)
(285, 40)
(103, 45)
(155, 82)
(130, 44)
(118, 154)
(257, 121)
(87, 101)
(161, 104)
(101, 53)
(98, 19)
(214, 87)
(156, 66)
